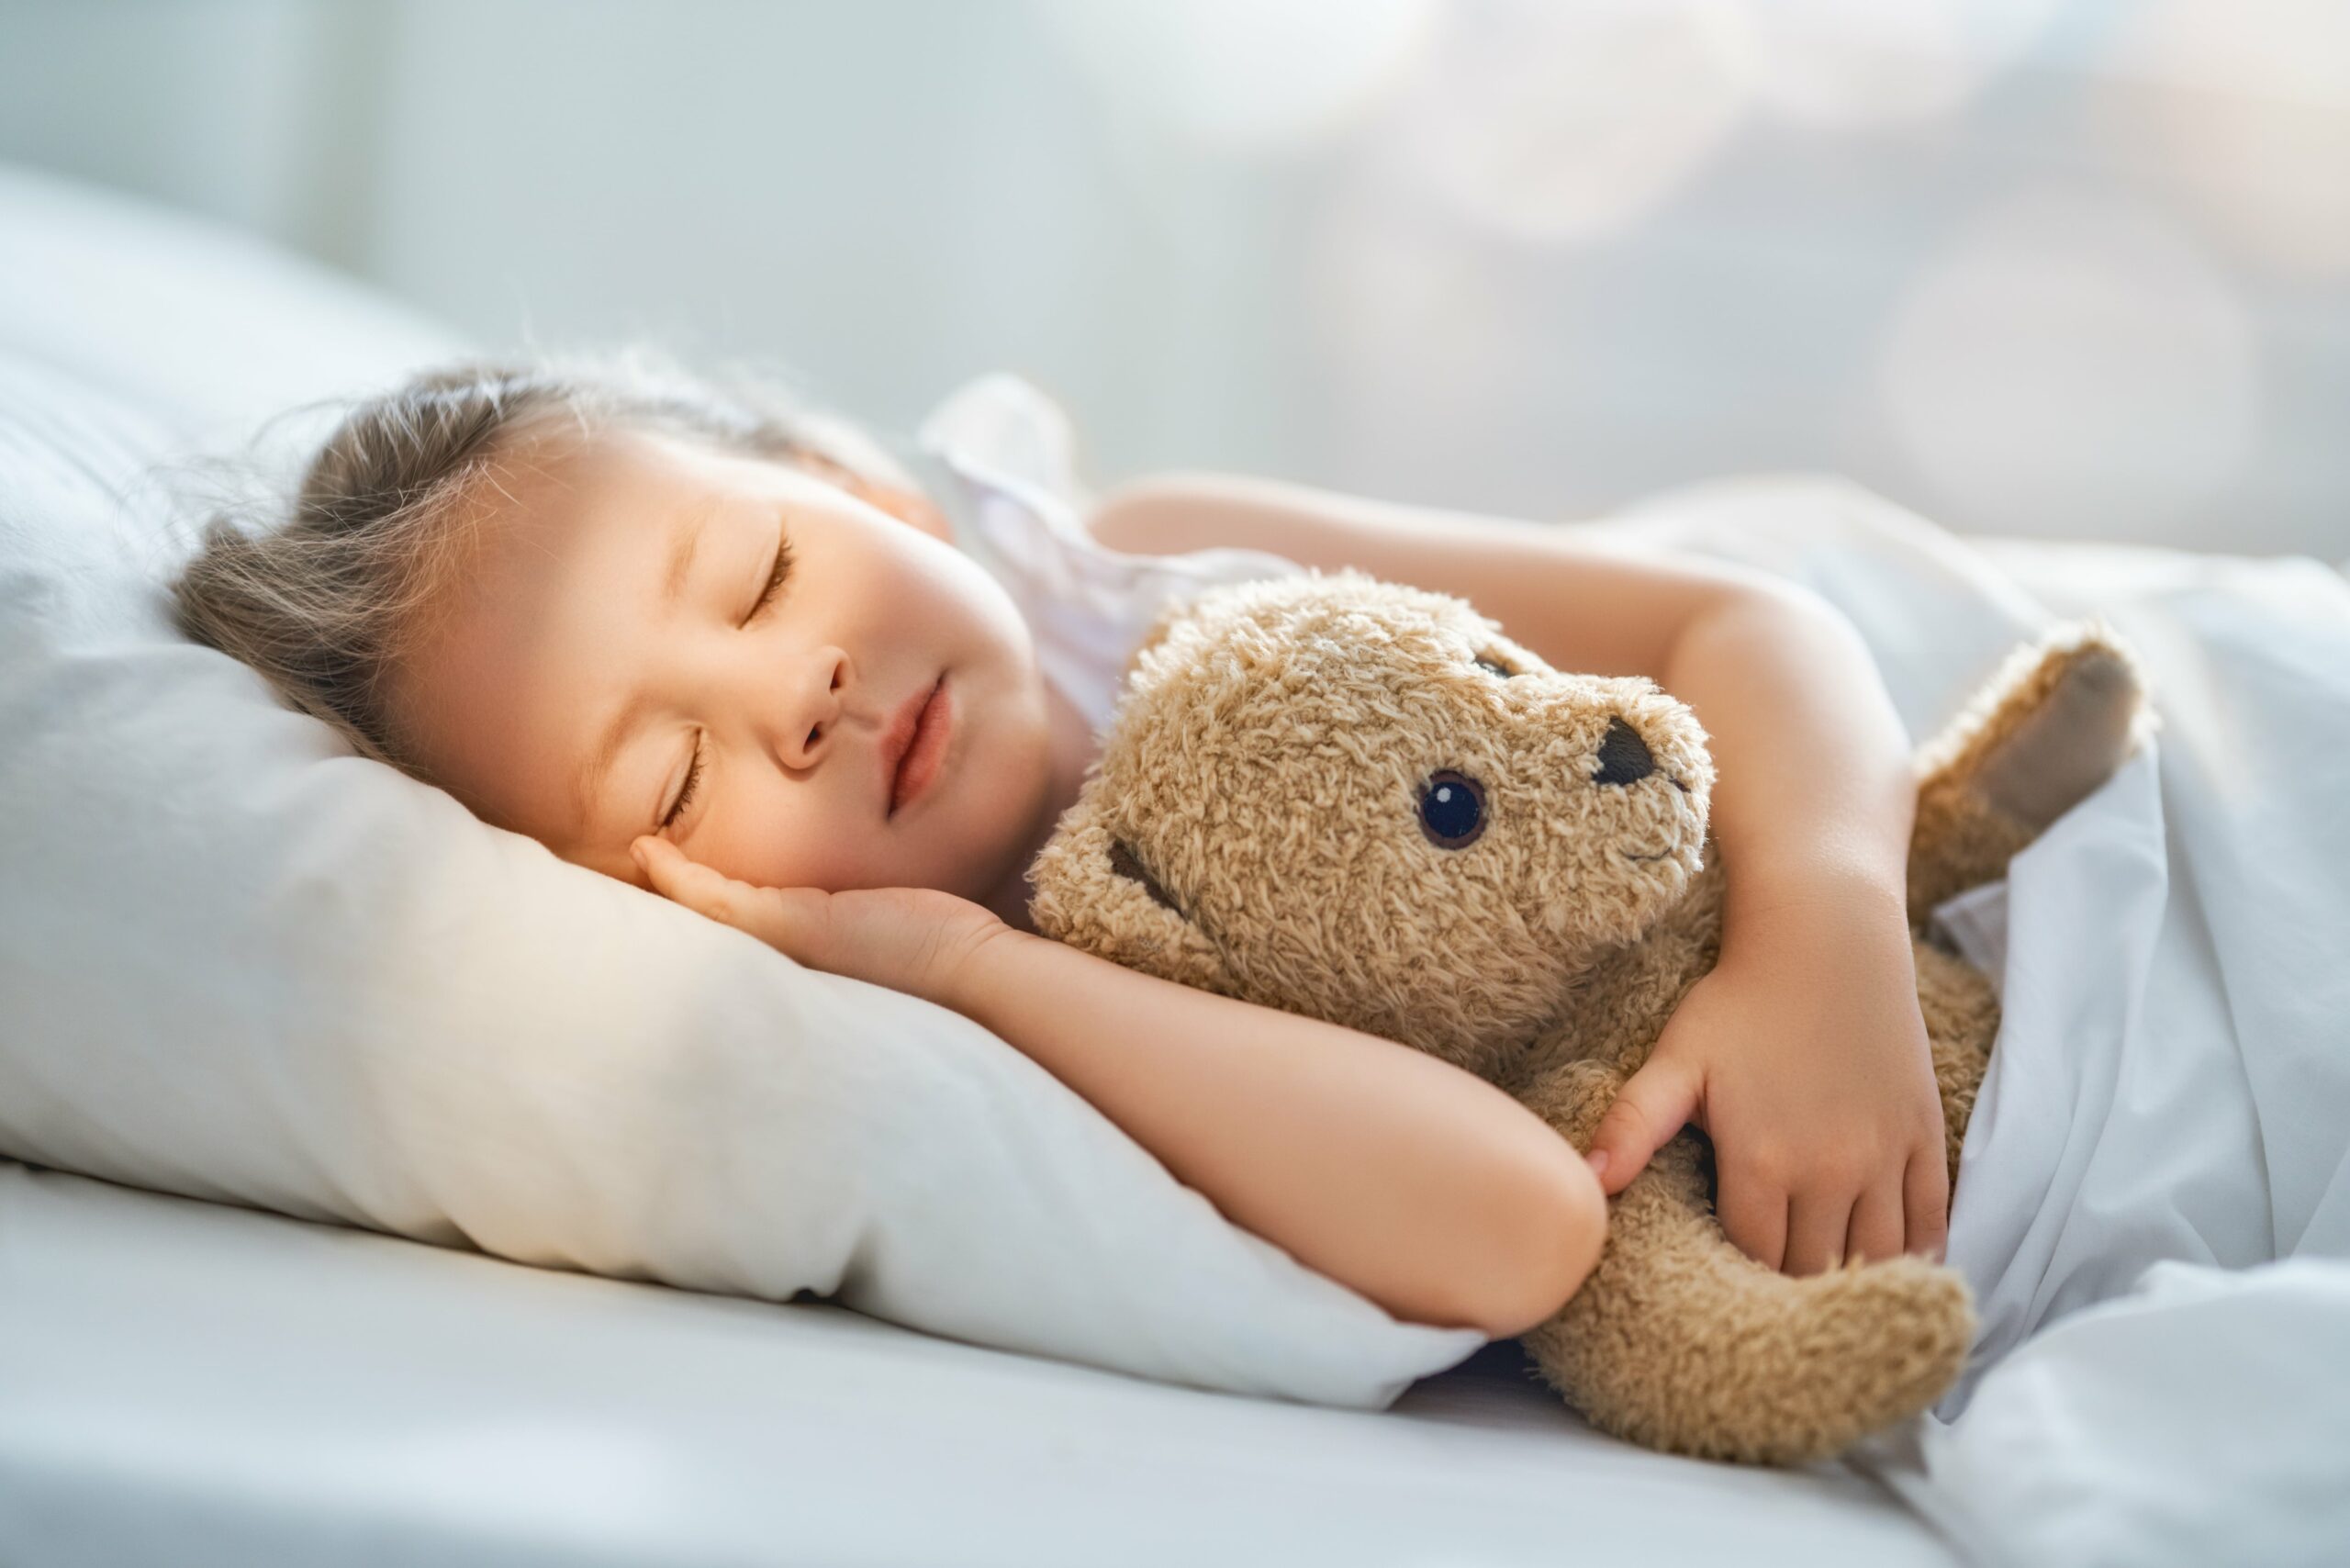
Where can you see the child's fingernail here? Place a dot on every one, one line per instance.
(1598, 1157)
(636, 852)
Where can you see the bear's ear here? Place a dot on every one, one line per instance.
(1095, 891)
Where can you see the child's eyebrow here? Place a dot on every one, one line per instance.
(692, 522)
(684, 544)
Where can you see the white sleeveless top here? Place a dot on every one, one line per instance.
(998, 457)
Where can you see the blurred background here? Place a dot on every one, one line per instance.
(2060, 268)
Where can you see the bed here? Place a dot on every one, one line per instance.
(196, 1383)
(191, 1384)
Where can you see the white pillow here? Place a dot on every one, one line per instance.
(239, 963)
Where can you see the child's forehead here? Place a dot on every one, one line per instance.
(569, 459)
(562, 478)
(545, 565)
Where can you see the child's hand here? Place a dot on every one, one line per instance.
(910, 939)
(1806, 1059)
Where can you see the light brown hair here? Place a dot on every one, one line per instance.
(322, 596)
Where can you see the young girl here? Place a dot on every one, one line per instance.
(733, 651)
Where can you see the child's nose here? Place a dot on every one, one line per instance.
(1623, 756)
(809, 707)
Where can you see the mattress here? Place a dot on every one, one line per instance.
(187, 1383)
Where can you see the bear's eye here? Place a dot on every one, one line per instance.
(1492, 665)
(1452, 810)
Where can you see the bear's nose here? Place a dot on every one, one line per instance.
(1623, 756)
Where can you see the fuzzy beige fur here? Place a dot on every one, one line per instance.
(1255, 827)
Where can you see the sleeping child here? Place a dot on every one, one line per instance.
(837, 692)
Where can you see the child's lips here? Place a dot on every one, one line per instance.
(915, 746)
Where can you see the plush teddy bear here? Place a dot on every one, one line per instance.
(1357, 801)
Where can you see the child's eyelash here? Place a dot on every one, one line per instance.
(767, 597)
(775, 579)
(693, 776)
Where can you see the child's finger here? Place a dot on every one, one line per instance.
(679, 877)
(787, 919)
(1653, 1107)
(1876, 1229)
(1926, 1198)
(1817, 1227)
(1754, 1216)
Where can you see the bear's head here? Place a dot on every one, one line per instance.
(1345, 798)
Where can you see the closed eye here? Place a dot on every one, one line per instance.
(686, 794)
(776, 576)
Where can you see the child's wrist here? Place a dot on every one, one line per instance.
(1792, 896)
(969, 977)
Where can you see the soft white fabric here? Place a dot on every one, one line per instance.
(193, 1386)
(2167, 1109)
(2203, 1417)
(1002, 464)
(239, 963)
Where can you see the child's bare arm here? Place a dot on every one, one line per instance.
(1418, 1186)
(1425, 1188)
(1803, 1053)
(1816, 785)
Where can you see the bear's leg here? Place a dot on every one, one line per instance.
(2048, 729)
(1681, 1342)
(1962, 1014)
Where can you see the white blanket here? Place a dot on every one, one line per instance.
(2167, 1110)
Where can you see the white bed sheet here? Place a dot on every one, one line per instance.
(2154, 1201)
(192, 1385)
(2159, 1225)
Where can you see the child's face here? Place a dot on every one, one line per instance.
(560, 636)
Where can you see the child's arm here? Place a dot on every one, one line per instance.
(1803, 1054)
(1414, 1183)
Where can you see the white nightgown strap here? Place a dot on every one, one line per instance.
(998, 457)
